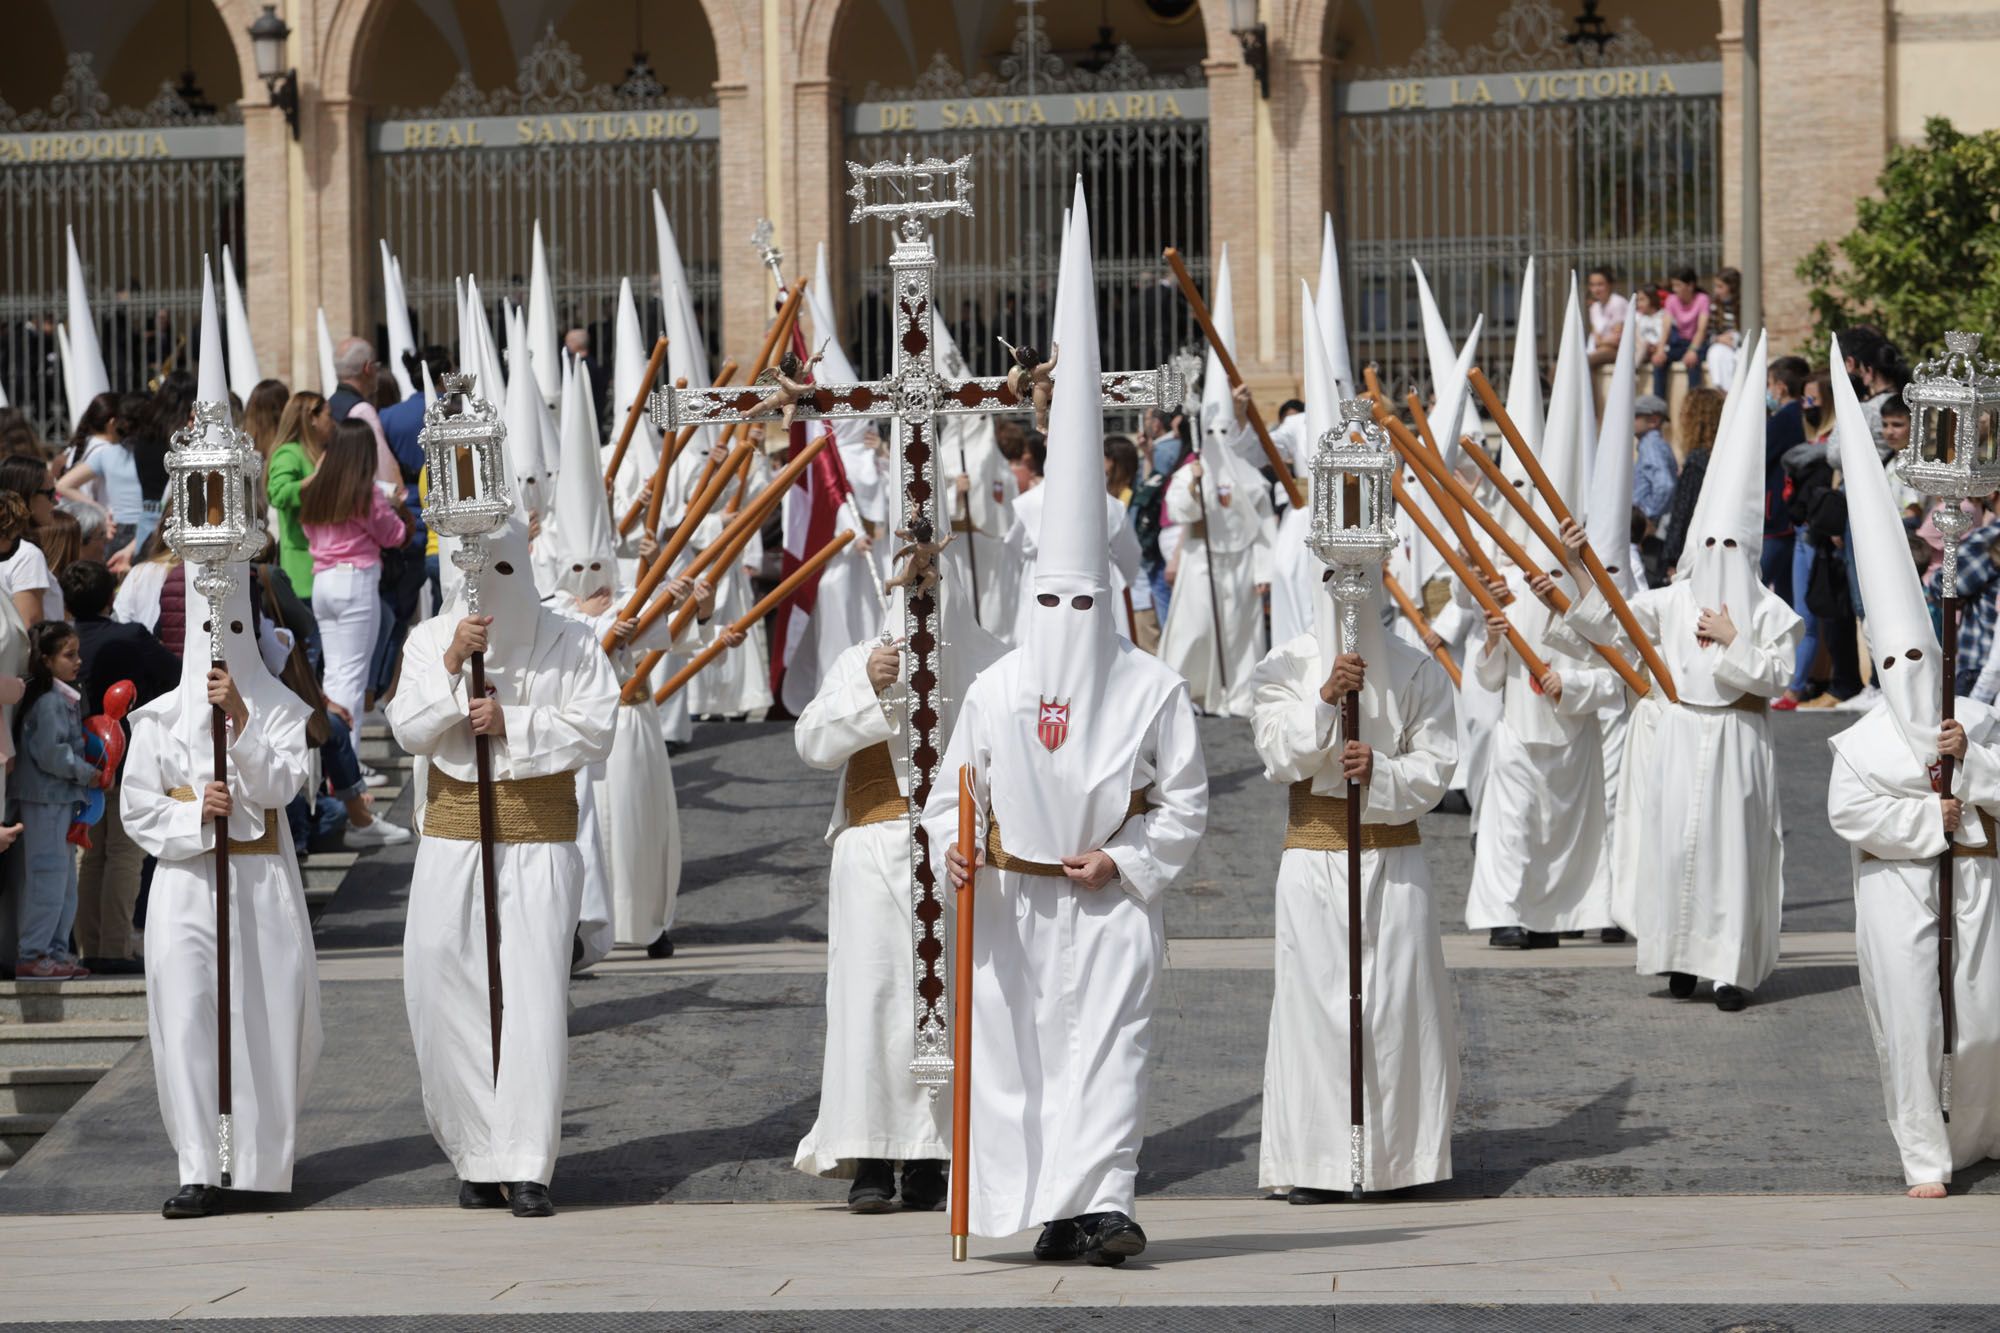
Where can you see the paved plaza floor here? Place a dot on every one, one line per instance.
(1618, 1155)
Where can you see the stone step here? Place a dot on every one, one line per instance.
(118, 998)
(47, 1089)
(94, 1041)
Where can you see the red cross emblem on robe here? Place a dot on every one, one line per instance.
(1052, 724)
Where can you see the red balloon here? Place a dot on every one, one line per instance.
(118, 698)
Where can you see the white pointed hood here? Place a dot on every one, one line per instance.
(835, 366)
(1438, 351)
(1564, 443)
(468, 346)
(524, 441)
(1608, 515)
(329, 379)
(86, 376)
(492, 370)
(543, 337)
(629, 356)
(430, 388)
(548, 435)
(1072, 680)
(585, 544)
(243, 375)
(1907, 660)
(1330, 312)
(687, 353)
(211, 368)
(1322, 396)
(1224, 475)
(1452, 413)
(1524, 377)
(396, 318)
(1724, 545)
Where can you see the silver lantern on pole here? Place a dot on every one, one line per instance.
(463, 441)
(1353, 508)
(212, 522)
(1954, 450)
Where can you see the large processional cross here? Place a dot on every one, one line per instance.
(908, 194)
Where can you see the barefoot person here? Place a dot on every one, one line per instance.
(1092, 797)
(549, 710)
(1883, 799)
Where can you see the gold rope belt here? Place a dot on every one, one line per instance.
(1198, 528)
(524, 809)
(1742, 703)
(266, 844)
(1319, 824)
(869, 788)
(997, 857)
(1987, 852)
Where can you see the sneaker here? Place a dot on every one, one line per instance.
(378, 832)
(39, 969)
(372, 778)
(70, 970)
(1784, 704)
(1861, 702)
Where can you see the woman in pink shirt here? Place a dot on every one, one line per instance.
(1687, 330)
(348, 521)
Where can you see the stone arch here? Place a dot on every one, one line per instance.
(336, 66)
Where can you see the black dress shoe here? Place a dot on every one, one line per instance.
(874, 1188)
(1109, 1239)
(1542, 939)
(1680, 985)
(1613, 935)
(662, 947)
(114, 967)
(1304, 1194)
(1060, 1239)
(1454, 802)
(1731, 999)
(925, 1185)
(530, 1198)
(480, 1194)
(193, 1201)
(1507, 937)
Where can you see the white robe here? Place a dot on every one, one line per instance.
(1410, 1069)
(1711, 850)
(1542, 862)
(274, 1028)
(1239, 553)
(1879, 799)
(738, 682)
(870, 1105)
(1295, 572)
(990, 505)
(1065, 980)
(560, 712)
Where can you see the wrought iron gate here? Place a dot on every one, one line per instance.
(1140, 142)
(1471, 161)
(457, 188)
(149, 190)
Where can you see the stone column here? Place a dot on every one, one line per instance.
(339, 243)
(267, 235)
(817, 175)
(746, 290)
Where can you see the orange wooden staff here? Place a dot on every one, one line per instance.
(1454, 513)
(1536, 666)
(1278, 462)
(961, 1025)
(779, 332)
(656, 572)
(1598, 574)
(632, 413)
(668, 453)
(769, 603)
(714, 562)
(1414, 614)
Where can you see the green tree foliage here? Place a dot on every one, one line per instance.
(1924, 256)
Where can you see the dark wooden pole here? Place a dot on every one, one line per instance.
(961, 1027)
(218, 727)
(1946, 942)
(1350, 724)
(1208, 566)
(489, 876)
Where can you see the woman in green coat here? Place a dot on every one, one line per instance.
(302, 432)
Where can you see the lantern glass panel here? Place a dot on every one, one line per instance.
(1989, 435)
(1940, 434)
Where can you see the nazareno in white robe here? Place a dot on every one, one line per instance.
(870, 1105)
(1295, 572)
(1065, 979)
(981, 544)
(274, 1028)
(1410, 1055)
(738, 682)
(1880, 800)
(560, 709)
(1711, 852)
(1542, 861)
(1238, 549)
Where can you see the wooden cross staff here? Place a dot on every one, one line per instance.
(1598, 574)
(632, 414)
(1221, 350)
